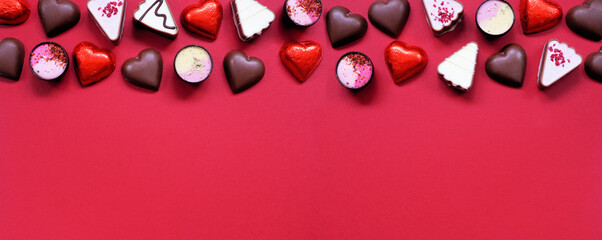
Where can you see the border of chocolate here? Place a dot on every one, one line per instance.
(66, 63)
(336, 70)
(176, 57)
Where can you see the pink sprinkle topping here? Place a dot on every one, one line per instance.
(111, 9)
(444, 15)
(557, 56)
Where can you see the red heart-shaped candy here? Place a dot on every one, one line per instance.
(404, 61)
(203, 18)
(539, 15)
(301, 58)
(92, 63)
(13, 12)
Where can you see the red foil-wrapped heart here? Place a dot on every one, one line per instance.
(404, 61)
(92, 63)
(301, 58)
(539, 15)
(203, 18)
(13, 12)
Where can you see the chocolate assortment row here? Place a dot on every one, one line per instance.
(354, 70)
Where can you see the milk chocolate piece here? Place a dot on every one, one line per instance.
(586, 19)
(58, 16)
(344, 27)
(508, 66)
(389, 17)
(593, 65)
(13, 56)
(145, 70)
(242, 72)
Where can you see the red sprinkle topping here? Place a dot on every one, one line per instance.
(111, 9)
(444, 15)
(310, 7)
(557, 56)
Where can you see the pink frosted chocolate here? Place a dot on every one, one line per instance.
(48, 61)
(354, 70)
(495, 17)
(193, 64)
(303, 12)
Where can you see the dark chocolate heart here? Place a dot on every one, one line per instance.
(13, 56)
(593, 65)
(508, 66)
(344, 27)
(58, 16)
(390, 17)
(242, 71)
(145, 70)
(586, 19)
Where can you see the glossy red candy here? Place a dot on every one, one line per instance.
(404, 61)
(13, 12)
(539, 15)
(203, 18)
(301, 58)
(92, 63)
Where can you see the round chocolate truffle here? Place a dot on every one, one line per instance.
(354, 70)
(303, 13)
(49, 61)
(193, 64)
(495, 18)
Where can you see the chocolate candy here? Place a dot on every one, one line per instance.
(242, 72)
(145, 70)
(354, 70)
(58, 16)
(109, 16)
(404, 61)
(203, 18)
(557, 60)
(48, 61)
(303, 13)
(92, 63)
(14, 12)
(344, 27)
(508, 66)
(156, 16)
(495, 18)
(251, 18)
(586, 19)
(390, 17)
(301, 58)
(443, 15)
(458, 69)
(539, 15)
(593, 65)
(193, 64)
(13, 56)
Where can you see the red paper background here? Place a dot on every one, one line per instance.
(286, 160)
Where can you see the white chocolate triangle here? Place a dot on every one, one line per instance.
(432, 8)
(552, 66)
(110, 24)
(156, 15)
(252, 17)
(459, 68)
